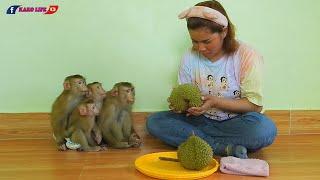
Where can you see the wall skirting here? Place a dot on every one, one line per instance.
(36, 125)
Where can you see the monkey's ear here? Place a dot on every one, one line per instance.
(114, 91)
(83, 110)
(66, 85)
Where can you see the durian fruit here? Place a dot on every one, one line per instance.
(185, 96)
(195, 153)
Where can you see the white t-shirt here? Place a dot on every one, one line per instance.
(232, 76)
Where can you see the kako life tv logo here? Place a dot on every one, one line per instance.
(15, 9)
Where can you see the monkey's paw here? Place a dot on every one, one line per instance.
(62, 147)
(97, 138)
(104, 147)
(136, 144)
(134, 137)
(96, 135)
(135, 140)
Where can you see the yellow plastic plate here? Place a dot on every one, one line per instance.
(152, 166)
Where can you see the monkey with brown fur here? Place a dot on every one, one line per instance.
(74, 92)
(115, 121)
(82, 121)
(97, 94)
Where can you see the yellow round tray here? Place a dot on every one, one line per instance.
(152, 166)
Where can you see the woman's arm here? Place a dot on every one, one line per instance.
(242, 105)
(231, 105)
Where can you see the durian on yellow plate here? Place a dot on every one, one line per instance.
(152, 166)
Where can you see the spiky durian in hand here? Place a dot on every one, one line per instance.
(185, 96)
(195, 153)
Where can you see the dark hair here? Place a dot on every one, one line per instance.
(230, 45)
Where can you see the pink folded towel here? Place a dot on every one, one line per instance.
(249, 167)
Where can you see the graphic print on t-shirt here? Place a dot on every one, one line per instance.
(236, 94)
(224, 83)
(210, 83)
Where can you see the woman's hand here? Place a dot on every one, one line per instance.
(208, 103)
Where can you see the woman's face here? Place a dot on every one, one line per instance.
(207, 43)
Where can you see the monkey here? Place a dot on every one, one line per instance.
(82, 121)
(115, 121)
(97, 94)
(74, 92)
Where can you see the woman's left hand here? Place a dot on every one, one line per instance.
(208, 103)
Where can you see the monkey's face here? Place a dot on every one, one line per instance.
(92, 109)
(127, 95)
(79, 86)
(98, 92)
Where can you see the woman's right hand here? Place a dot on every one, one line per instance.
(208, 103)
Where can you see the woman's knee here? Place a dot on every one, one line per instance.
(263, 127)
(170, 127)
(159, 122)
(153, 121)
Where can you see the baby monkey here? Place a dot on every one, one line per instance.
(82, 121)
(97, 94)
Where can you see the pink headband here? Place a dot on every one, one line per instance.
(205, 13)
